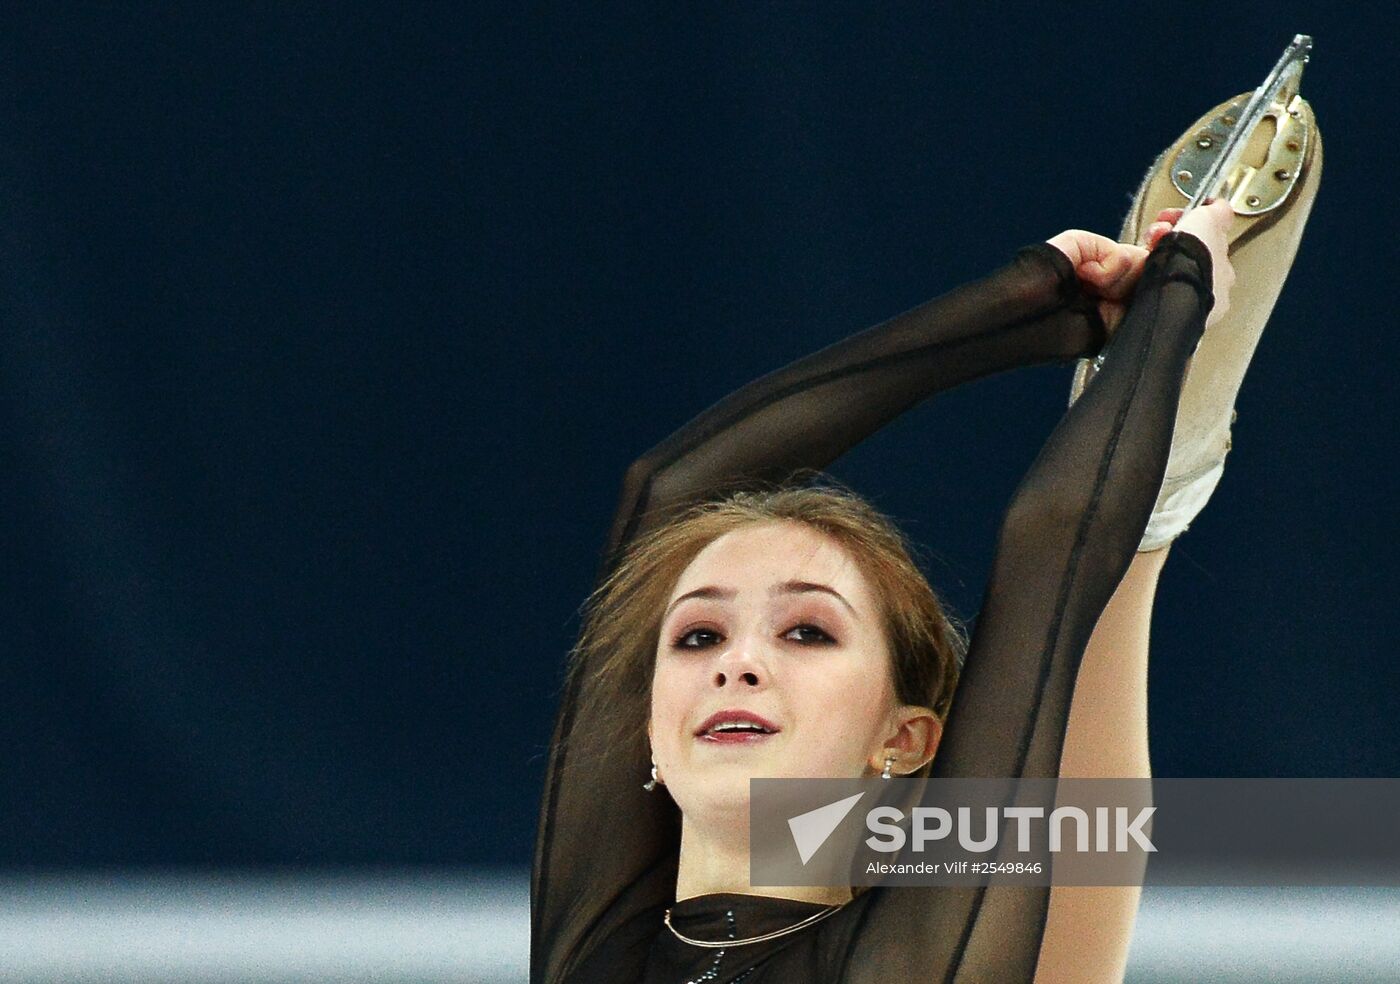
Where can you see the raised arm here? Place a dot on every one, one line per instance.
(800, 417)
(1073, 527)
(1069, 535)
(809, 413)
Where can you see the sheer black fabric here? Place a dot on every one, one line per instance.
(605, 863)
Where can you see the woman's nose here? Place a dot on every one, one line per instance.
(741, 666)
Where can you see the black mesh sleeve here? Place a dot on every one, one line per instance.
(1066, 541)
(808, 414)
(605, 863)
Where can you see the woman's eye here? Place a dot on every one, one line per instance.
(698, 639)
(808, 634)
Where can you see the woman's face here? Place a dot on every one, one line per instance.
(774, 622)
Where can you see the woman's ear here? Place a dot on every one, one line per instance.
(916, 738)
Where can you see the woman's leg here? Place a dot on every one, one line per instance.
(1088, 930)
(1107, 731)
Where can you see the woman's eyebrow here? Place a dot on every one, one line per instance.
(803, 587)
(722, 594)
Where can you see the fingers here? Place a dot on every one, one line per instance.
(1166, 219)
(1081, 247)
(1210, 222)
(1114, 274)
(1108, 268)
(1111, 269)
(1213, 218)
(1155, 232)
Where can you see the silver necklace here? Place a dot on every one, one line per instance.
(814, 918)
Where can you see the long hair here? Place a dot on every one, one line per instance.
(622, 619)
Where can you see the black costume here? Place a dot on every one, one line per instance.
(606, 855)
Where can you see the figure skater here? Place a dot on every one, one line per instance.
(749, 625)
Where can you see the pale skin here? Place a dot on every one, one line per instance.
(776, 619)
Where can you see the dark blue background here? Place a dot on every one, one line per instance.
(326, 335)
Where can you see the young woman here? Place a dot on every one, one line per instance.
(796, 615)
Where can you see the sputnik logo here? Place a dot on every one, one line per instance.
(811, 829)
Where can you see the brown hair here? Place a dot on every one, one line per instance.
(622, 619)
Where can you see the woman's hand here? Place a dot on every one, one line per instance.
(1211, 225)
(1108, 270)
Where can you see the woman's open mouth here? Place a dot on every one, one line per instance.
(736, 727)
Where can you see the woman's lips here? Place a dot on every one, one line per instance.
(736, 716)
(734, 737)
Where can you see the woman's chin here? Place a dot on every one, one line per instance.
(715, 791)
(721, 791)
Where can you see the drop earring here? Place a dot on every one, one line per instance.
(889, 762)
(655, 780)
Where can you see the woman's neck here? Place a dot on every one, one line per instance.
(712, 864)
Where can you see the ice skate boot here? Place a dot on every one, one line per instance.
(1269, 172)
